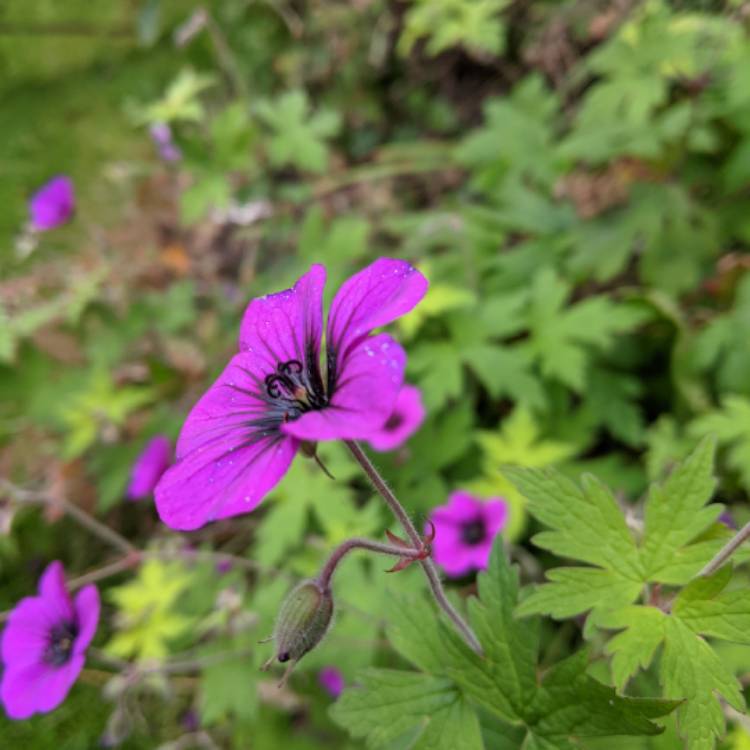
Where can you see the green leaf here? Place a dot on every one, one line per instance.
(390, 703)
(503, 681)
(298, 136)
(635, 646)
(228, 687)
(707, 608)
(676, 512)
(588, 524)
(448, 23)
(572, 591)
(569, 702)
(722, 344)
(731, 426)
(561, 338)
(692, 670)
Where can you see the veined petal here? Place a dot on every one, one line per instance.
(365, 394)
(286, 325)
(230, 452)
(378, 294)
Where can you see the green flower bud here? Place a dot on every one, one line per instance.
(302, 623)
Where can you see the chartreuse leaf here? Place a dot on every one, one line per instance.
(147, 607)
(437, 706)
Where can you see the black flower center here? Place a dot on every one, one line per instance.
(473, 532)
(394, 422)
(60, 645)
(295, 389)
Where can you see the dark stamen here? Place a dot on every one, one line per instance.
(394, 421)
(473, 532)
(60, 646)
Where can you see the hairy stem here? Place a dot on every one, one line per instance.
(428, 566)
(324, 579)
(725, 552)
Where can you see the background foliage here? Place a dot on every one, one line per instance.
(573, 179)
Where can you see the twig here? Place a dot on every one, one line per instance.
(31, 497)
(428, 566)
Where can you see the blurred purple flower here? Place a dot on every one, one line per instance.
(44, 645)
(406, 418)
(148, 468)
(465, 528)
(223, 567)
(53, 204)
(727, 520)
(331, 680)
(241, 437)
(161, 134)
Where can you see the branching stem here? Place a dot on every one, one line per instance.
(428, 566)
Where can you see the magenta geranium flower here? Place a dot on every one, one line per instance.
(44, 645)
(465, 528)
(53, 204)
(331, 680)
(405, 419)
(148, 468)
(240, 438)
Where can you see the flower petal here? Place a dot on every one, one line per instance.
(495, 512)
(52, 204)
(37, 687)
(364, 397)
(287, 325)
(378, 294)
(152, 462)
(54, 592)
(87, 612)
(449, 550)
(230, 452)
(26, 634)
(479, 554)
(460, 508)
(406, 418)
(20, 688)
